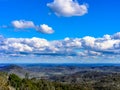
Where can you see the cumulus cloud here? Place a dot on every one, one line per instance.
(86, 46)
(116, 36)
(68, 8)
(23, 24)
(45, 29)
(88, 42)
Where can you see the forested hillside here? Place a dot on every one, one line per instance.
(14, 82)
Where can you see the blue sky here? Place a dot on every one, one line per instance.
(103, 17)
(49, 20)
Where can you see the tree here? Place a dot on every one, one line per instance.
(15, 81)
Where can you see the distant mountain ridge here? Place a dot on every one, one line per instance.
(53, 70)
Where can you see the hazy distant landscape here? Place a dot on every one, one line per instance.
(61, 76)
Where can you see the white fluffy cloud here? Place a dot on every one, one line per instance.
(67, 8)
(23, 24)
(86, 46)
(45, 29)
(116, 36)
(88, 41)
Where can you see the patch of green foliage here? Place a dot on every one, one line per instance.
(110, 82)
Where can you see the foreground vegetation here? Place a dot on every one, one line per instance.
(14, 82)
